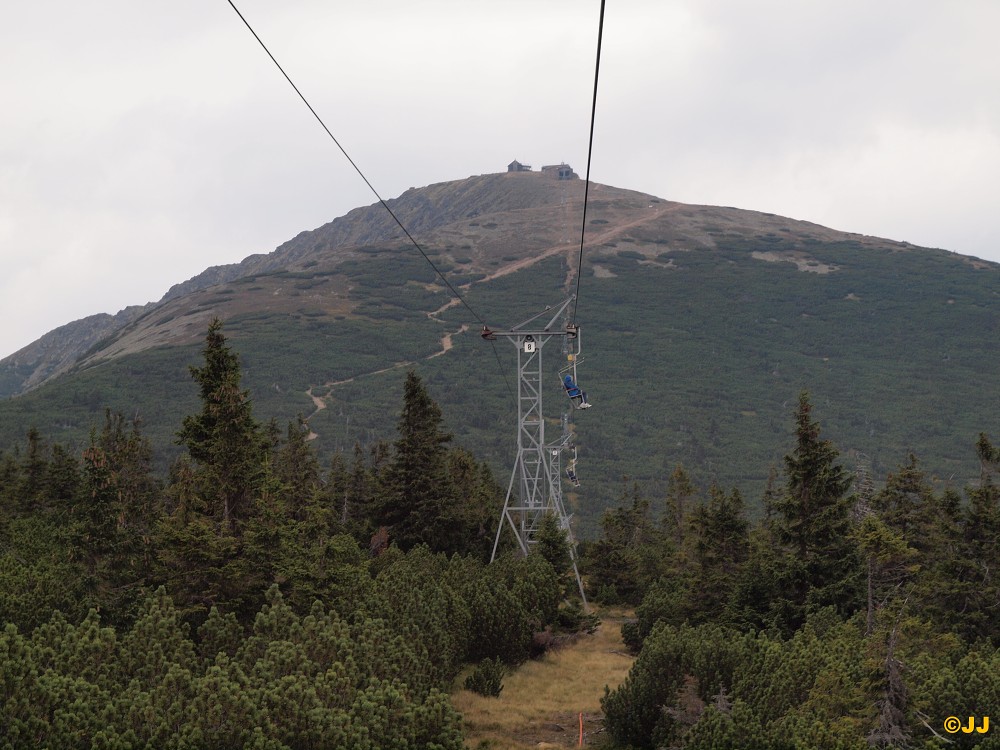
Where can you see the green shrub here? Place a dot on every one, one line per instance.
(487, 678)
(572, 619)
(607, 595)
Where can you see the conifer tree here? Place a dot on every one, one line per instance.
(418, 492)
(95, 528)
(720, 549)
(813, 524)
(195, 552)
(890, 730)
(34, 470)
(628, 557)
(942, 585)
(10, 478)
(907, 506)
(981, 549)
(553, 545)
(930, 528)
(354, 502)
(477, 505)
(62, 480)
(334, 492)
(215, 491)
(225, 442)
(681, 499)
(889, 564)
(115, 514)
(756, 586)
(297, 469)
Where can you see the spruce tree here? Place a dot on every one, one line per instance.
(357, 509)
(680, 500)
(931, 526)
(981, 549)
(62, 480)
(889, 564)
(334, 491)
(904, 502)
(10, 478)
(628, 558)
(418, 493)
(115, 514)
(553, 545)
(943, 586)
(225, 442)
(721, 547)
(821, 566)
(297, 469)
(34, 471)
(478, 500)
(215, 490)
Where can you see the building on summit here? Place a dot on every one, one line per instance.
(559, 171)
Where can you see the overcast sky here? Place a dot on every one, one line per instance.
(141, 142)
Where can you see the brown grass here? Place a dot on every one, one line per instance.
(541, 701)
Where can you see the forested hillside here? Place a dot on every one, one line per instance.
(256, 599)
(849, 617)
(700, 327)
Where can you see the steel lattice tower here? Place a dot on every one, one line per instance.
(537, 469)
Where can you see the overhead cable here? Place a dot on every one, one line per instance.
(356, 167)
(590, 151)
(370, 186)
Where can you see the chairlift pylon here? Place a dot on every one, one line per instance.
(535, 489)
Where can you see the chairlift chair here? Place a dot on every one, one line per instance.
(575, 393)
(571, 469)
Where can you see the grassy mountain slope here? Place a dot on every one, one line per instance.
(701, 325)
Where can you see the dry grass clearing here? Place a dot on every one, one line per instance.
(541, 702)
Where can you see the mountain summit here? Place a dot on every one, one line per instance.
(498, 222)
(701, 325)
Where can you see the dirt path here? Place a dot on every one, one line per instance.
(446, 342)
(450, 303)
(319, 402)
(541, 702)
(573, 252)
